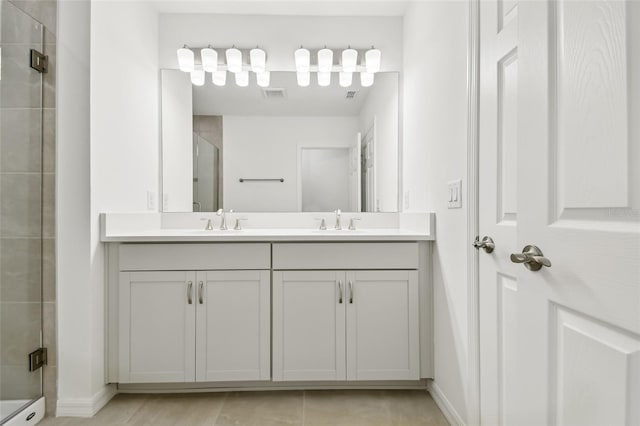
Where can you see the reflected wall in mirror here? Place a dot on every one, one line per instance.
(283, 148)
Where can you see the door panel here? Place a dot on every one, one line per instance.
(157, 327)
(498, 209)
(382, 325)
(581, 316)
(308, 325)
(233, 326)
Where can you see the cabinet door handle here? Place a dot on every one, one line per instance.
(340, 290)
(190, 292)
(200, 288)
(350, 291)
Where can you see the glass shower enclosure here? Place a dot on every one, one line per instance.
(20, 210)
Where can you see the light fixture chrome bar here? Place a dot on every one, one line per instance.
(261, 180)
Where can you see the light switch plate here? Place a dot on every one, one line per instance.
(454, 194)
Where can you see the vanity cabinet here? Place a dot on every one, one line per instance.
(197, 325)
(346, 324)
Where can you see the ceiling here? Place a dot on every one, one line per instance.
(290, 7)
(299, 101)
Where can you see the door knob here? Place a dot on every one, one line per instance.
(487, 244)
(532, 258)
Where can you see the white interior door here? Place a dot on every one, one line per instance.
(498, 209)
(579, 202)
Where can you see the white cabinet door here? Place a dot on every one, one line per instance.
(157, 327)
(308, 325)
(382, 325)
(232, 325)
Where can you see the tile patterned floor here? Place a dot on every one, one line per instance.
(301, 408)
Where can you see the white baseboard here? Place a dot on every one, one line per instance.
(452, 416)
(85, 407)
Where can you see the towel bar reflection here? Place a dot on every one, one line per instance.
(261, 180)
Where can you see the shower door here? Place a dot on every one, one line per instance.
(20, 210)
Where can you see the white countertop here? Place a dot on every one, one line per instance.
(246, 235)
(138, 228)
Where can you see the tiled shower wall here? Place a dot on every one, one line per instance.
(44, 11)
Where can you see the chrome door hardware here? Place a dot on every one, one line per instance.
(487, 244)
(340, 290)
(532, 258)
(200, 288)
(350, 291)
(190, 292)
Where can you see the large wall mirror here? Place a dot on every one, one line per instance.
(284, 148)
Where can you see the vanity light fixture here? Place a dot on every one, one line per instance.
(304, 78)
(234, 60)
(366, 79)
(242, 78)
(186, 59)
(325, 60)
(209, 59)
(303, 60)
(197, 77)
(219, 78)
(349, 59)
(258, 58)
(324, 78)
(372, 60)
(346, 78)
(263, 78)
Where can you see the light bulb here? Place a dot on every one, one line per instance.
(324, 79)
(304, 78)
(372, 60)
(186, 59)
(258, 59)
(197, 77)
(219, 78)
(234, 60)
(349, 60)
(346, 78)
(366, 79)
(325, 60)
(242, 78)
(303, 60)
(209, 59)
(263, 78)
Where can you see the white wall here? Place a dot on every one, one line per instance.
(280, 36)
(112, 102)
(382, 105)
(73, 221)
(434, 152)
(267, 147)
(177, 142)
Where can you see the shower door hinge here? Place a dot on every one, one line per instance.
(39, 61)
(37, 359)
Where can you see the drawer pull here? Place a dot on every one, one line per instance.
(200, 288)
(340, 289)
(350, 291)
(190, 292)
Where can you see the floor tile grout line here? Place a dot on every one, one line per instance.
(224, 401)
(304, 399)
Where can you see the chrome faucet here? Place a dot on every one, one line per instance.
(352, 223)
(223, 222)
(209, 226)
(338, 226)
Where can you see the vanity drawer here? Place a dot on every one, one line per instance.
(292, 256)
(194, 256)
